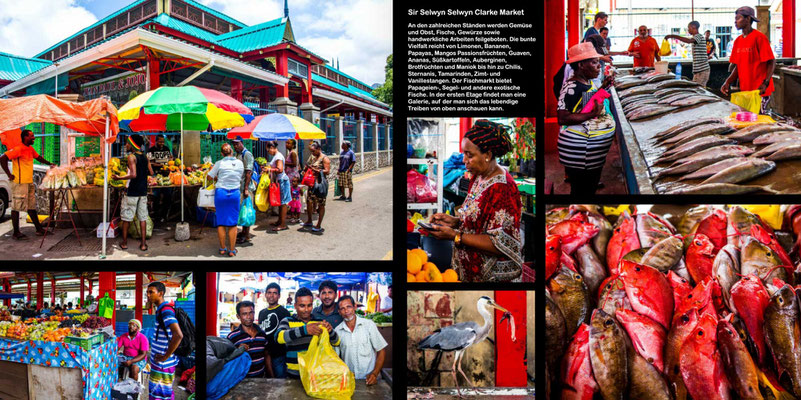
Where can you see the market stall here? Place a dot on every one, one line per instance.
(686, 109)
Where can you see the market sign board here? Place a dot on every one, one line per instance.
(119, 88)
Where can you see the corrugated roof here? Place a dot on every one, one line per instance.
(255, 37)
(90, 27)
(347, 89)
(215, 13)
(15, 67)
(181, 26)
(344, 74)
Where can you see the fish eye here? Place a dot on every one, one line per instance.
(577, 276)
(700, 333)
(637, 269)
(608, 322)
(697, 242)
(690, 296)
(780, 300)
(685, 318)
(551, 248)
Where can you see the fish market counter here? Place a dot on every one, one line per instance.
(292, 389)
(33, 369)
(639, 152)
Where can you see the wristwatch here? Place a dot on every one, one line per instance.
(457, 240)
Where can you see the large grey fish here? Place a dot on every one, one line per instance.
(713, 169)
(642, 89)
(704, 158)
(783, 335)
(774, 147)
(570, 293)
(739, 226)
(676, 83)
(662, 93)
(757, 258)
(691, 218)
(786, 153)
(629, 83)
(645, 381)
(608, 355)
(750, 133)
(751, 169)
(638, 105)
(634, 99)
(696, 132)
(664, 255)
(600, 240)
(675, 130)
(780, 136)
(719, 188)
(651, 111)
(591, 268)
(726, 268)
(693, 100)
(693, 147)
(739, 366)
(660, 77)
(650, 230)
(555, 334)
(676, 96)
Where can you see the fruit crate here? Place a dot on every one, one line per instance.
(87, 343)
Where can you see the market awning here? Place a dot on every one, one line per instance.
(312, 280)
(4, 296)
(48, 86)
(88, 117)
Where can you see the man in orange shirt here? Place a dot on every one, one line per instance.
(22, 187)
(644, 49)
(752, 57)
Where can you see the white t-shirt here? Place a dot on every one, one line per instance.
(274, 163)
(386, 302)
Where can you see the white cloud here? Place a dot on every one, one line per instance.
(29, 27)
(358, 32)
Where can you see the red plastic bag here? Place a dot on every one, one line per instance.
(308, 178)
(419, 189)
(275, 195)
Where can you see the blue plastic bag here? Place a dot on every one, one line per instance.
(247, 214)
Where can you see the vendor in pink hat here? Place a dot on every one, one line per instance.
(585, 137)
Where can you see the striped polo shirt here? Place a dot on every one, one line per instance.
(700, 57)
(292, 333)
(255, 348)
(161, 340)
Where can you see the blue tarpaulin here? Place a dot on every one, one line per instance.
(4, 296)
(231, 374)
(345, 280)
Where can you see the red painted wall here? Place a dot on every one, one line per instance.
(510, 356)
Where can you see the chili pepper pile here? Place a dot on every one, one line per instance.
(640, 308)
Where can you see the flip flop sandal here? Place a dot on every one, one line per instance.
(143, 249)
(124, 246)
(307, 225)
(21, 236)
(223, 251)
(318, 230)
(232, 253)
(277, 229)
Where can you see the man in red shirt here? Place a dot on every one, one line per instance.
(644, 49)
(22, 186)
(752, 57)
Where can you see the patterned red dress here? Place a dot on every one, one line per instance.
(492, 207)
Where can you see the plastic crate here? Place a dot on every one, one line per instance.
(120, 328)
(86, 343)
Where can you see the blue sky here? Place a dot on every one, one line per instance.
(358, 32)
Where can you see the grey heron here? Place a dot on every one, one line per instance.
(458, 337)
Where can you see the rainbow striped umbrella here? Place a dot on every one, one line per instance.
(183, 108)
(278, 127)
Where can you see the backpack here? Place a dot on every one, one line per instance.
(187, 345)
(256, 173)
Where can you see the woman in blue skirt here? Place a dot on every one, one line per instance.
(228, 175)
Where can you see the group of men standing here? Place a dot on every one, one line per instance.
(752, 61)
(277, 337)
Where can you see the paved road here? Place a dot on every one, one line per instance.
(360, 230)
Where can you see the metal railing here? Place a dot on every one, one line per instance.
(328, 125)
(349, 134)
(382, 138)
(367, 134)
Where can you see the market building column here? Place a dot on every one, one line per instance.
(107, 283)
(554, 58)
(788, 28)
(138, 293)
(52, 291)
(83, 282)
(29, 290)
(511, 369)
(39, 290)
(310, 112)
(763, 15)
(374, 133)
(464, 126)
(573, 23)
(7, 289)
(338, 131)
(360, 139)
(282, 103)
(211, 304)
(236, 89)
(153, 74)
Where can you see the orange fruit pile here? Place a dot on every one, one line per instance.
(419, 269)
